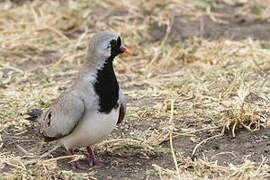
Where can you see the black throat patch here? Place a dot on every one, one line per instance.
(107, 88)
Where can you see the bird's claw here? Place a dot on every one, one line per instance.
(77, 165)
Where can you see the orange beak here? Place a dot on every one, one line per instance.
(125, 50)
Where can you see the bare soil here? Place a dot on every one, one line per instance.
(129, 163)
(235, 27)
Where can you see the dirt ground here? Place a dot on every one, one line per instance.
(235, 27)
(135, 162)
(129, 164)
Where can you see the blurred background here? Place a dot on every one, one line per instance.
(197, 86)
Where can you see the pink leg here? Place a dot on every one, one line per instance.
(92, 160)
(75, 164)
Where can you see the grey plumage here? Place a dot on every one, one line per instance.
(74, 119)
(63, 116)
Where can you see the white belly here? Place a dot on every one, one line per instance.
(93, 128)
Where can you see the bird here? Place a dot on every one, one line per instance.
(89, 110)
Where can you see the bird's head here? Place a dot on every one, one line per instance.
(105, 46)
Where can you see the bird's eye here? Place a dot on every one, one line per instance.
(113, 43)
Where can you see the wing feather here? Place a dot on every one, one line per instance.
(63, 116)
(122, 111)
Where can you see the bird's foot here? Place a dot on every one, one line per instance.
(94, 162)
(91, 159)
(77, 165)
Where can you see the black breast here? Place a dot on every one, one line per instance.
(107, 88)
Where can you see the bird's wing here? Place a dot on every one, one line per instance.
(63, 116)
(122, 103)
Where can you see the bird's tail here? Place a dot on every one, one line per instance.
(34, 114)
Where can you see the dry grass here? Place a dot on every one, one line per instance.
(43, 43)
